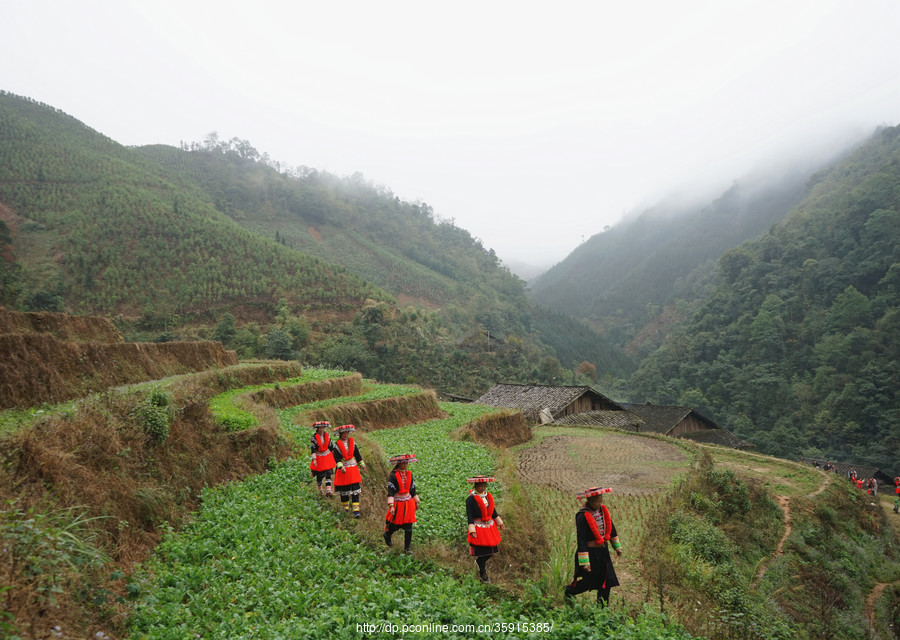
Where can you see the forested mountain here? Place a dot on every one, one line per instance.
(400, 246)
(216, 240)
(621, 278)
(95, 228)
(798, 347)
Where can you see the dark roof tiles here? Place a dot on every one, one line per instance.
(531, 398)
(615, 419)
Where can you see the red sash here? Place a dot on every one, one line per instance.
(404, 478)
(322, 447)
(486, 510)
(346, 452)
(607, 525)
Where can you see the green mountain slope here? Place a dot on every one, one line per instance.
(98, 229)
(620, 278)
(397, 245)
(797, 349)
(179, 240)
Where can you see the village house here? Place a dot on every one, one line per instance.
(584, 406)
(683, 422)
(541, 403)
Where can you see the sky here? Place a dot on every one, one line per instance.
(531, 125)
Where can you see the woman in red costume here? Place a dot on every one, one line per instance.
(349, 461)
(593, 564)
(484, 524)
(403, 500)
(321, 464)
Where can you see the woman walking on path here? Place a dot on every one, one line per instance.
(593, 564)
(484, 524)
(403, 500)
(321, 464)
(347, 480)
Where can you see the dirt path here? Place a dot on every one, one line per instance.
(823, 486)
(872, 599)
(785, 503)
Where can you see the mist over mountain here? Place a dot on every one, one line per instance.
(525, 270)
(620, 279)
(795, 344)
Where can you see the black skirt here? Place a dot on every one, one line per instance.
(479, 551)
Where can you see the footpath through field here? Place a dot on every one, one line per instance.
(784, 502)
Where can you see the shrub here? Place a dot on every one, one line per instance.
(154, 414)
(700, 538)
(734, 493)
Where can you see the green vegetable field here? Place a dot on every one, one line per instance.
(268, 558)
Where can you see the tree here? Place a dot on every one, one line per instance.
(299, 330)
(278, 345)
(587, 370)
(44, 301)
(246, 341)
(850, 309)
(225, 330)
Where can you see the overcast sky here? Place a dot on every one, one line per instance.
(532, 125)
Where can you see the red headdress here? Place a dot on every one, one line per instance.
(406, 457)
(590, 493)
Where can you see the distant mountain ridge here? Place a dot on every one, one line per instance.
(619, 279)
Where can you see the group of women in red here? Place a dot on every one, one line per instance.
(335, 466)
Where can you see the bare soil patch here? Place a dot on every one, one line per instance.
(407, 300)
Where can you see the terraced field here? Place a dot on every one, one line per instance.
(571, 460)
(269, 558)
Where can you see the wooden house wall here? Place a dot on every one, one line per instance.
(688, 425)
(587, 402)
(601, 404)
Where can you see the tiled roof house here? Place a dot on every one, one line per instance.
(580, 405)
(684, 422)
(546, 403)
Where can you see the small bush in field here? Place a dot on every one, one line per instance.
(154, 414)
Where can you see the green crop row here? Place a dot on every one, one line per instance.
(228, 414)
(443, 467)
